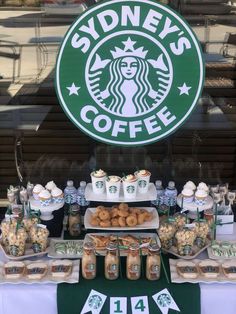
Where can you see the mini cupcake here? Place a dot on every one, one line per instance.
(190, 185)
(50, 186)
(187, 195)
(36, 190)
(203, 186)
(200, 197)
(45, 198)
(57, 195)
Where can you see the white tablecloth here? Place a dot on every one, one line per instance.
(42, 299)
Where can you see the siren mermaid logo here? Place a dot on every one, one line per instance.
(129, 72)
(128, 92)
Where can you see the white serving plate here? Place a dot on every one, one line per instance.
(213, 256)
(176, 278)
(153, 224)
(102, 252)
(52, 253)
(46, 211)
(28, 253)
(192, 207)
(149, 196)
(196, 251)
(72, 278)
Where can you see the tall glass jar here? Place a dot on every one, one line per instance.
(74, 221)
(112, 262)
(133, 262)
(89, 265)
(153, 262)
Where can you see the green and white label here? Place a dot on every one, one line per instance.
(129, 72)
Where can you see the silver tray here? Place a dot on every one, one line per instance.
(123, 252)
(28, 253)
(196, 251)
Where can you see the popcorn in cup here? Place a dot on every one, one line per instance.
(113, 187)
(166, 233)
(39, 237)
(98, 178)
(185, 239)
(17, 240)
(130, 185)
(143, 180)
(201, 230)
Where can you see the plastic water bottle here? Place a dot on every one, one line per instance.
(160, 194)
(70, 193)
(171, 193)
(81, 200)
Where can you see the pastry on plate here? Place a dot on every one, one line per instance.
(209, 268)
(14, 270)
(229, 269)
(36, 271)
(61, 268)
(187, 269)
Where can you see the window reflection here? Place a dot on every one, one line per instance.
(51, 147)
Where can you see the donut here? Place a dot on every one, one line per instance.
(104, 214)
(131, 221)
(115, 222)
(114, 212)
(105, 223)
(95, 221)
(147, 216)
(123, 206)
(99, 209)
(122, 221)
(135, 210)
(123, 213)
(141, 218)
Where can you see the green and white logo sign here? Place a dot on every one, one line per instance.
(129, 72)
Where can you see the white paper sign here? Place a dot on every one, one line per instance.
(139, 305)
(94, 302)
(164, 301)
(118, 305)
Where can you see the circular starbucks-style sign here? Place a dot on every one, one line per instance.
(129, 72)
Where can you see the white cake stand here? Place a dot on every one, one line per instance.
(192, 207)
(46, 211)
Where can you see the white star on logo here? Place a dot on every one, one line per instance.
(184, 89)
(129, 44)
(73, 89)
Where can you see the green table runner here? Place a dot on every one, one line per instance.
(71, 297)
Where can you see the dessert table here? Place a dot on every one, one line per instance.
(42, 298)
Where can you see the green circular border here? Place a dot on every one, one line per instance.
(183, 22)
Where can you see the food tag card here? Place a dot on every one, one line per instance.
(139, 305)
(164, 301)
(118, 305)
(94, 302)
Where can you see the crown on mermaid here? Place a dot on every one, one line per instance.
(129, 50)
